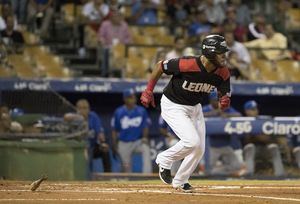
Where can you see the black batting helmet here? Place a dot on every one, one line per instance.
(212, 45)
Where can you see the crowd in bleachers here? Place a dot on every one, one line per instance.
(134, 33)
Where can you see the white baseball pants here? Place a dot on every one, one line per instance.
(188, 124)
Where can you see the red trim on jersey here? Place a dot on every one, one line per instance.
(223, 72)
(188, 65)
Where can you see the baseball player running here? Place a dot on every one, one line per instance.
(192, 79)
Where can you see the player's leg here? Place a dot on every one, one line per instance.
(296, 152)
(47, 20)
(233, 165)
(215, 154)
(249, 154)
(192, 160)
(144, 149)
(106, 161)
(125, 150)
(276, 159)
(177, 117)
(176, 164)
(239, 155)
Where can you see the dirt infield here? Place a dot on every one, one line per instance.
(234, 191)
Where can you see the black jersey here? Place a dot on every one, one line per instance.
(191, 83)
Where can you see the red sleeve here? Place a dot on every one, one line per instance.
(223, 73)
(188, 65)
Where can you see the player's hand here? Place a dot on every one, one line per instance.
(147, 98)
(224, 102)
(104, 146)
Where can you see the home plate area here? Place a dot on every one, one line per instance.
(229, 191)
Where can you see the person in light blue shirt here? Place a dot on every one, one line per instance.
(144, 12)
(130, 132)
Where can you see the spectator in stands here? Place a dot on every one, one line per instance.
(4, 63)
(95, 11)
(221, 150)
(98, 146)
(115, 5)
(231, 24)
(200, 25)
(260, 147)
(144, 12)
(242, 12)
(272, 40)
(238, 57)
(214, 11)
(178, 12)
(19, 7)
(6, 10)
(130, 132)
(40, 13)
(113, 31)
(13, 39)
(179, 46)
(257, 27)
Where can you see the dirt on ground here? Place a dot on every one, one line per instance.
(208, 192)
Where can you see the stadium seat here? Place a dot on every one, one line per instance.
(155, 31)
(136, 67)
(291, 69)
(118, 51)
(267, 72)
(165, 40)
(148, 52)
(30, 38)
(142, 40)
(293, 19)
(70, 11)
(22, 67)
(126, 11)
(5, 72)
(48, 63)
(161, 15)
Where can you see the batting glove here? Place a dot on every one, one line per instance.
(147, 98)
(224, 102)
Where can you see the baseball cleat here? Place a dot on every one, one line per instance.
(186, 188)
(165, 175)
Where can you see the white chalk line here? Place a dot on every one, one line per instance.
(57, 199)
(49, 186)
(155, 191)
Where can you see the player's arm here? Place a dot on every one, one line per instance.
(224, 92)
(147, 96)
(169, 67)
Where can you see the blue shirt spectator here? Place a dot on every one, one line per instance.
(144, 12)
(130, 120)
(200, 25)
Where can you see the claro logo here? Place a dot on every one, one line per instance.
(270, 128)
